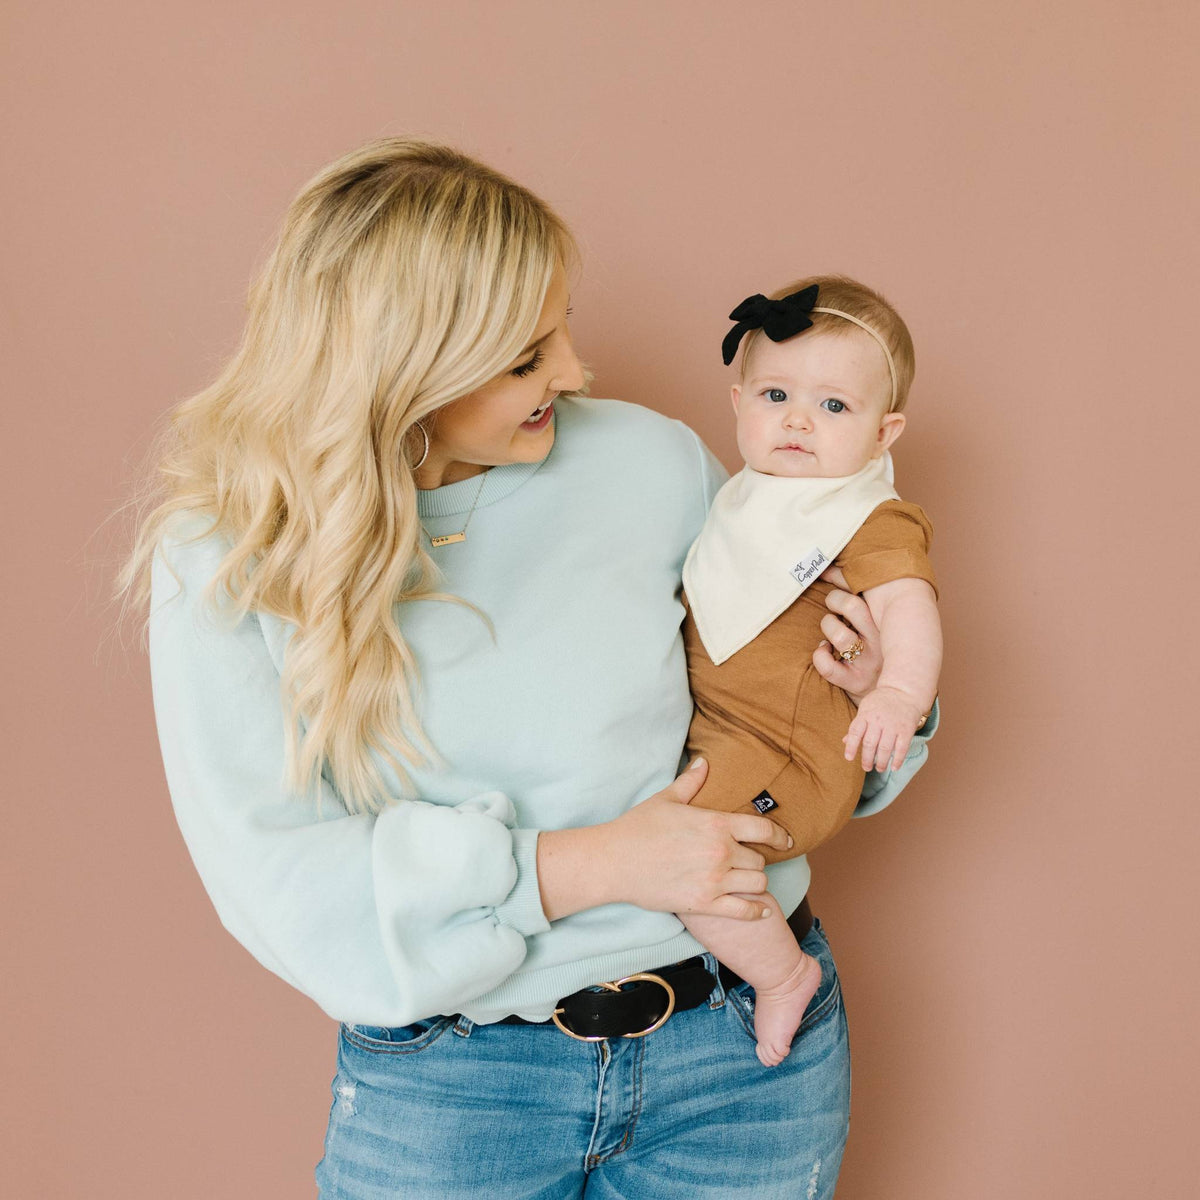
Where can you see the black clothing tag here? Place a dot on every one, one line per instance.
(764, 802)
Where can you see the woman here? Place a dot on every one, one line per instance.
(421, 696)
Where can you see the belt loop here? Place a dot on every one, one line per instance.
(716, 998)
(463, 1026)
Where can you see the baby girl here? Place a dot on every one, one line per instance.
(819, 403)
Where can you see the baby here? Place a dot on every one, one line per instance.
(818, 406)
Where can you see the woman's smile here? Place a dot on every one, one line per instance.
(540, 418)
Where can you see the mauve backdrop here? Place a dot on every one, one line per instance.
(1018, 178)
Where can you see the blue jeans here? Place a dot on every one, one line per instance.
(449, 1110)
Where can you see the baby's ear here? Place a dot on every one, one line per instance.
(735, 394)
(890, 428)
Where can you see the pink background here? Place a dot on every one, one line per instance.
(1016, 935)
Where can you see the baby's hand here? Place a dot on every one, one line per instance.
(886, 721)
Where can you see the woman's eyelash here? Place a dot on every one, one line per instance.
(529, 367)
(532, 365)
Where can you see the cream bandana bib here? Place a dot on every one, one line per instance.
(766, 539)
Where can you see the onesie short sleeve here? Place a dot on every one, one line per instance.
(892, 543)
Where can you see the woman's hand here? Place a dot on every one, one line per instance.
(688, 860)
(661, 855)
(848, 619)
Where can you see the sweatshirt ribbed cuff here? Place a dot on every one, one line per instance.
(522, 908)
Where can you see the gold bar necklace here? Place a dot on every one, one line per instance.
(448, 539)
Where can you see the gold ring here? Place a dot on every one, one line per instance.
(615, 986)
(852, 652)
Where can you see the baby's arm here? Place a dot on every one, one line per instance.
(910, 636)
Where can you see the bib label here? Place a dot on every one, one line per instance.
(809, 567)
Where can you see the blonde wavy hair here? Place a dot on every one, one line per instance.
(405, 276)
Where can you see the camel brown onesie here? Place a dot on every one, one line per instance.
(768, 724)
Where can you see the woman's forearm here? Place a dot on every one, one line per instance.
(661, 855)
(572, 870)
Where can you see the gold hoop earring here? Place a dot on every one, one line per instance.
(425, 453)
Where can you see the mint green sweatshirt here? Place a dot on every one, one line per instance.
(576, 710)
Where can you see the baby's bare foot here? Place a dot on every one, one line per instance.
(779, 1010)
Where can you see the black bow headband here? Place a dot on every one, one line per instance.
(778, 319)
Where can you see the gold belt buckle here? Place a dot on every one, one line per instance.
(615, 986)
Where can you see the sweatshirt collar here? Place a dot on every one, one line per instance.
(459, 497)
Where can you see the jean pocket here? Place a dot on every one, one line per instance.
(739, 1000)
(399, 1039)
(828, 995)
(824, 1003)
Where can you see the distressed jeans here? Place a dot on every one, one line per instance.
(449, 1110)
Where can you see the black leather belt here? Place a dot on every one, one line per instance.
(644, 1001)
